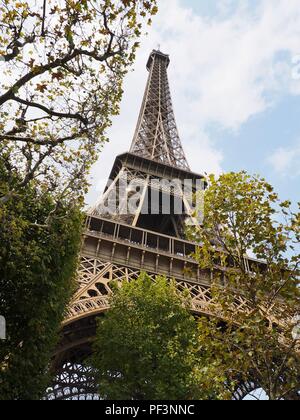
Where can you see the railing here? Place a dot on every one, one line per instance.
(160, 243)
(140, 237)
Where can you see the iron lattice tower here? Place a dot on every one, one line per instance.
(156, 135)
(118, 246)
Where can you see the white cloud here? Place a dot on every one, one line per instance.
(229, 65)
(224, 70)
(286, 161)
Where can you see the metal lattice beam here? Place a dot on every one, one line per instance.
(95, 277)
(73, 382)
(156, 135)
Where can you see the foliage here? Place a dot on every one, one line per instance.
(38, 259)
(146, 346)
(62, 64)
(259, 299)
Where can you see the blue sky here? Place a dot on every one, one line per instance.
(212, 8)
(208, 8)
(276, 128)
(235, 88)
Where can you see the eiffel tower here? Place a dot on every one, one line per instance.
(120, 243)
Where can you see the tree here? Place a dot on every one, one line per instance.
(257, 297)
(145, 345)
(37, 268)
(62, 65)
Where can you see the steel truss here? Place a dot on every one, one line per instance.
(156, 135)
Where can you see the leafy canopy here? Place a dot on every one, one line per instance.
(62, 64)
(258, 299)
(145, 346)
(38, 262)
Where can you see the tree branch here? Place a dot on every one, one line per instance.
(44, 18)
(50, 111)
(38, 71)
(31, 140)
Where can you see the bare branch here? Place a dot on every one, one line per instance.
(53, 142)
(44, 18)
(50, 111)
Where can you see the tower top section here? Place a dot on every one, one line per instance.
(157, 54)
(156, 136)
